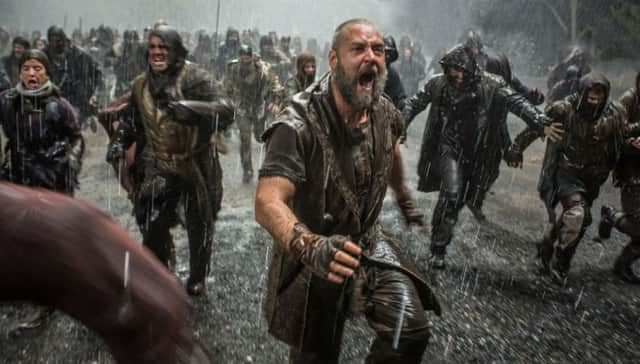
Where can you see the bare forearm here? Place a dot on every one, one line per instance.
(272, 211)
(397, 174)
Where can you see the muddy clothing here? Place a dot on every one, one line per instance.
(44, 143)
(77, 75)
(279, 63)
(175, 162)
(251, 88)
(291, 87)
(627, 176)
(307, 312)
(574, 168)
(462, 136)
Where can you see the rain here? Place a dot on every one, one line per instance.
(497, 306)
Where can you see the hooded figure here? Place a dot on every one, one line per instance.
(304, 77)
(43, 136)
(227, 51)
(575, 167)
(577, 58)
(459, 137)
(626, 176)
(172, 118)
(74, 71)
(393, 88)
(11, 62)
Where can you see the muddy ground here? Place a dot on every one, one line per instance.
(497, 309)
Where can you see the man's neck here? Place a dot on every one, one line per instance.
(351, 117)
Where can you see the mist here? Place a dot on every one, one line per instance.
(293, 17)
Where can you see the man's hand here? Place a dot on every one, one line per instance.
(333, 258)
(93, 100)
(554, 132)
(273, 108)
(115, 153)
(635, 142)
(513, 157)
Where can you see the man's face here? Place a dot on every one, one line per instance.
(358, 65)
(245, 59)
(40, 44)
(456, 75)
(18, 49)
(284, 44)
(233, 39)
(595, 97)
(57, 43)
(158, 54)
(267, 49)
(33, 74)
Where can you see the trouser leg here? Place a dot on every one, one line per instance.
(245, 127)
(200, 234)
(448, 206)
(396, 314)
(574, 220)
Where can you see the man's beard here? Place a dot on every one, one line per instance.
(348, 88)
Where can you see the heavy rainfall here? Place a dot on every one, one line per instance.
(406, 181)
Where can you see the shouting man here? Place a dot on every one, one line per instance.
(330, 157)
(175, 159)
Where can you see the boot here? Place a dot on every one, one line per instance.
(607, 221)
(627, 257)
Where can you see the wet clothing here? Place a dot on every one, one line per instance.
(44, 144)
(462, 137)
(77, 75)
(175, 162)
(563, 89)
(574, 168)
(227, 52)
(251, 88)
(67, 254)
(627, 176)
(342, 164)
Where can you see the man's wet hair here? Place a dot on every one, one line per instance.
(337, 34)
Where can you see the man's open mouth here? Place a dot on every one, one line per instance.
(32, 83)
(367, 80)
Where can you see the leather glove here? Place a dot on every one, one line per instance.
(409, 211)
(513, 157)
(318, 252)
(115, 153)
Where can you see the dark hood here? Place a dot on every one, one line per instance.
(588, 82)
(230, 32)
(159, 83)
(177, 51)
(459, 57)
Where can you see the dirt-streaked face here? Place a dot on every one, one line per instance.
(158, 54)
(358, 65)
(33, 74)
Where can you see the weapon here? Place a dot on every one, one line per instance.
(215, 35)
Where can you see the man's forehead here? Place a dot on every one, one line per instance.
(32, 63)
(358, 33)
